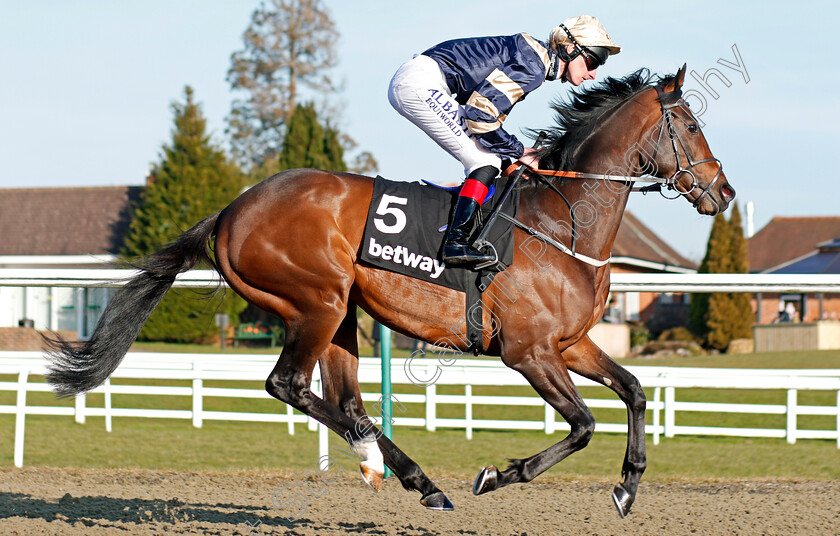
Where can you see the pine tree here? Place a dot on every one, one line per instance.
(723, 316)
(720, 304)
(310, 145)
(303, 146)
(333, 151)
(742, 313)
(716, 261)
(192, 180)
(289, 44)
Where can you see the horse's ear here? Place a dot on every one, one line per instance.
(679, 78)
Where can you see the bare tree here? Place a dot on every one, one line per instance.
(289, 44)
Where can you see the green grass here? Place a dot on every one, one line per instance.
(176, 445)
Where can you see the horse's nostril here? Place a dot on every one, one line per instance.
(727, 191)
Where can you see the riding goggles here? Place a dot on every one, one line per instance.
(594, 56)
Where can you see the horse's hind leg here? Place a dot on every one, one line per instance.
(339, 373)
(339, 378)
(545, 371)
(589, 361)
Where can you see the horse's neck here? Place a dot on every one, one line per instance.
(598, 209)
(598, 205)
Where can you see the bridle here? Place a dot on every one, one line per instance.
(667, 102)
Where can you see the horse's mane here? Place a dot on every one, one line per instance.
(576, 120)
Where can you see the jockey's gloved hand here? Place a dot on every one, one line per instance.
(529, 158)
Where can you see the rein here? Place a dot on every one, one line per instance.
(667, 102)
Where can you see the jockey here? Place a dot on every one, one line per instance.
(459, 92)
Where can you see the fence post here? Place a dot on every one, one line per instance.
(670, 416)
(290, 413)
(197, 395)
(838, 419)
(20, 416)
(791, 416)
(657, 402)
(80, 408)
(323, 447)
(108, 413)
(549, 419)
(312, 424)
(468, 402)
(431, 406)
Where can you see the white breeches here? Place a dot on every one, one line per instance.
(418, 92)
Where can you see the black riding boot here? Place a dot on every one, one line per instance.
(457, 250)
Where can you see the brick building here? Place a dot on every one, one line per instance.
(796, 245)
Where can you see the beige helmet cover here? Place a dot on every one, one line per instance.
(588, 31)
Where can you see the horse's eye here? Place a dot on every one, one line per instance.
(693, 128)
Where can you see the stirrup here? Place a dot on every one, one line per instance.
(480, 245)
(466, 257)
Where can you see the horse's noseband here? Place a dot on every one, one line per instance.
(667, 102)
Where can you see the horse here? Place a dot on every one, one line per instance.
(290, 246)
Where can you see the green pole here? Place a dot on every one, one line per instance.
(385, 346)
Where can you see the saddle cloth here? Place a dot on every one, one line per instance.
(406, 225)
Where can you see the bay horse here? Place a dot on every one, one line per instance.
(290, 245)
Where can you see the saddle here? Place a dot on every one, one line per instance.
(406, 225)
(404, 233)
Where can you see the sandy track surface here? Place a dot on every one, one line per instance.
(94, 502)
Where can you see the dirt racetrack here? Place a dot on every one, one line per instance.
(96, 502)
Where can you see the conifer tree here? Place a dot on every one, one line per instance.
(290, 45)
(192, 180)
(715, 262)
(742, 313)
(309, 145)
(303, 146)
(333, 150)
(723, 316)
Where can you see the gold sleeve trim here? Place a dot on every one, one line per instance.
(505, 85)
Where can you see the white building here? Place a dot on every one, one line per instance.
(60, 228)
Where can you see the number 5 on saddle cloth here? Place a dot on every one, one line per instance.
(406, 225)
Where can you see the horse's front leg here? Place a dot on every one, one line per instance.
(586, 359)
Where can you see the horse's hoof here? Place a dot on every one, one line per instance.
(437, 501)
(372, 477)
(487, 480)
(623, 500)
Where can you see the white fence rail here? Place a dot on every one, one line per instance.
(787, 283)
(469, 373)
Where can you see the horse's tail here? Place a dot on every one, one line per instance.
(77, 367)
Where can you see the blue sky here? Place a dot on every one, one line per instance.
(87, 86)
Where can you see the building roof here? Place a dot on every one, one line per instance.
(787, 238)
(636, 241)
(93, 221)
(823, 260)
(65, 221)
